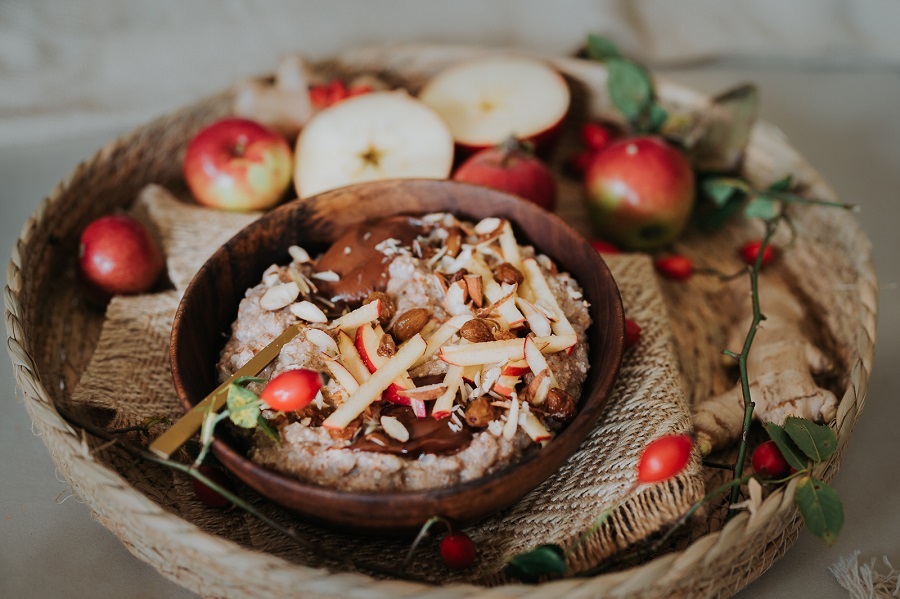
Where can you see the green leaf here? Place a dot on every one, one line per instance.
(268, 430)
(786, 446)
(783, 184)
(714, 219)
(630, 88)
(761, 207)
(656, 118)
(722, 189)
(542, 561)
(601, 48)
(821, 508)
(815, 440)
(243, 406)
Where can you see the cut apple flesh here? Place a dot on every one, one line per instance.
(342, 376)
(541, 291)
(362, 315)
(534, 429)
(350, 358)
(367, 342)
(444, 404)
(382, 135)
(509, 314)
(486, 100)
(442, 335)
(508, 350)
(372, 388)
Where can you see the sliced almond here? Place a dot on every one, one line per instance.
(394, 428)
(364, 314)
(475, 288)
(424, 393)
(308, 311)
(455, 299)
(279, 296)
(371, 389)
(453, 242)
(327, 275)
(298, 254)
(488, 225)
(322, 340)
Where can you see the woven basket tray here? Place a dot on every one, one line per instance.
(44, 309)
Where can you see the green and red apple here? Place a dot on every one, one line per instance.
(238, 164)
(640, 192)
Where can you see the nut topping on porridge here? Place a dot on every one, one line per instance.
(449, 349)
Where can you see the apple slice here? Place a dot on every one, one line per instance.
(362, 315)
(342, 376)
(442, 335)
(381, 135)
(537, 363)
(534, 429)
(367, 342)
(512, 420)
(506, 385)
(541, 291)
(555, 343)
(490, 98)
(375, 385)
(537, 321)
(350, 358)
(444, 404)
(488, 352)
(509, 314)
(515, 368)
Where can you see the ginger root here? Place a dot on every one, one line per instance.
(780, 366)
(283, 105)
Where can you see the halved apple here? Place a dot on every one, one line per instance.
(381, 135)
(487, 99)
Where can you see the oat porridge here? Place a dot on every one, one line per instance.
(448, 351)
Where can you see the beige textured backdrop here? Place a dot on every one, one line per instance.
(72, 66)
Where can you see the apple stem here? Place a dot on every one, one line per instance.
(511, 146)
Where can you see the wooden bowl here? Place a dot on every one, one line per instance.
(210, 304)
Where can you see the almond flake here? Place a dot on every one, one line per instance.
(319, 400)
(279, 296)
(475, 288)
(308, 311)
(394, 428)
(298, 254)
(322, 340)
(327, 275)
(272, 276)
(488, 225)
(573, 294)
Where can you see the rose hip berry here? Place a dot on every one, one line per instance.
(458, 551)
(768, 461)
(632, 333)
(595, 136)
(604, 247)
(675, 267)
(292, 390)
(750, 250)
(664, 458)
(205, 494)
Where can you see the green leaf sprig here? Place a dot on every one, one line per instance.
(629, 85)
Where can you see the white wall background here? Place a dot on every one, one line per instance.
(72, 66)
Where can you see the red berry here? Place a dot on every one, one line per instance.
(632, 333)
(359, 90)
(750, 250)
(604, 247)
(318, 96)
(675, 267)
(768, 461)
(664, 458)
(458, 551)
(595, 136)
(206, 494)
(292, 390)
(577, 164)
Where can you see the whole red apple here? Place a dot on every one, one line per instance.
(510, 167)
(640, 192)
(238, 164)
(118, 256)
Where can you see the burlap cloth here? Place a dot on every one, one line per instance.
(128, 379)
